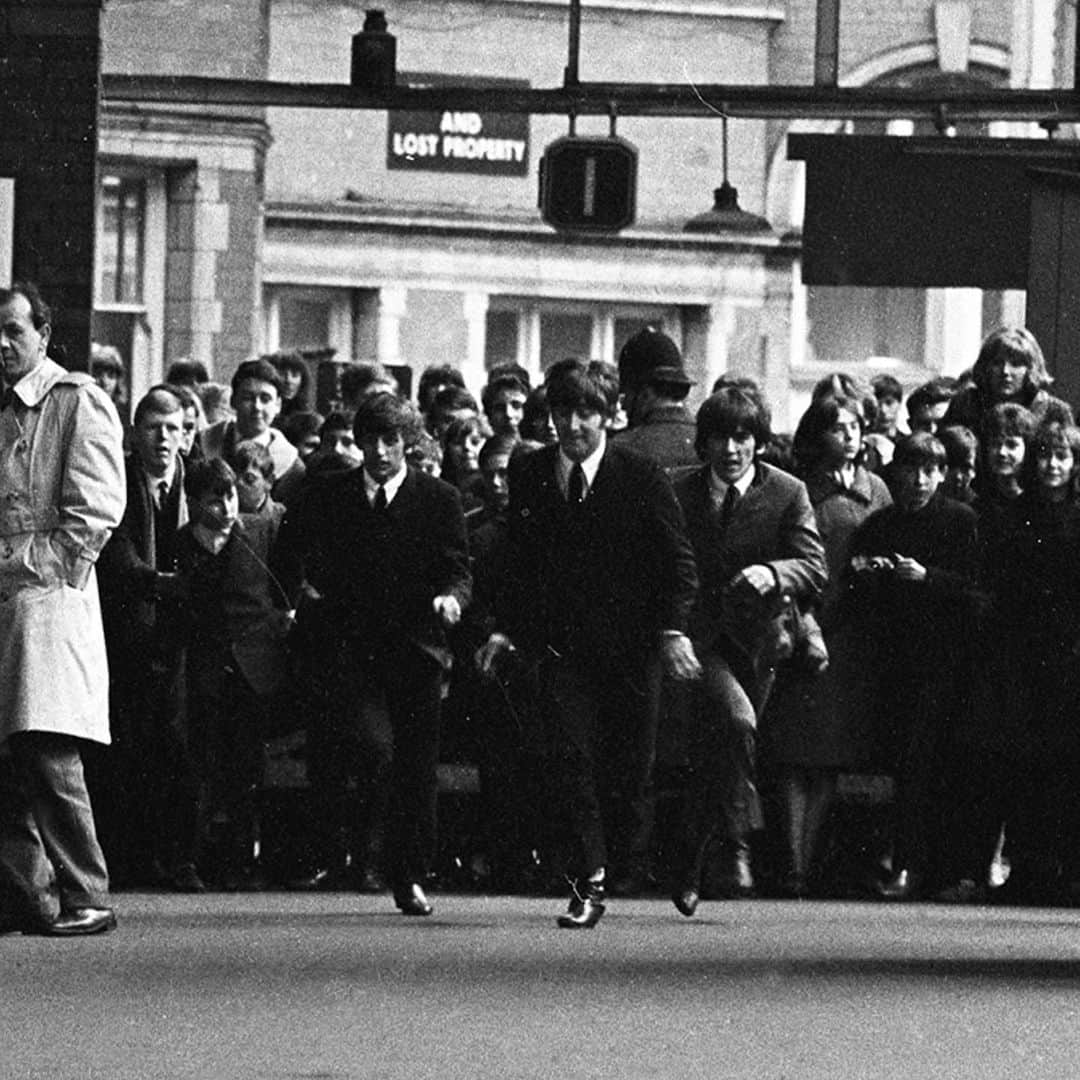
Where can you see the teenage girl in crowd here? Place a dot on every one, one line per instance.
(811, 731)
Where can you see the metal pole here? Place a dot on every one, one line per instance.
(571, 76)
(1076, 48)
(827, 44)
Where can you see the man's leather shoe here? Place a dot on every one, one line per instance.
(901, 886)
(586, 906)
(81, 921)
(410, 900)
(686, 900)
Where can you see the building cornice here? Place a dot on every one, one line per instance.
(709, 9)
(463, 223)
(242, 124)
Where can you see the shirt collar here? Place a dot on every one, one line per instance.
(37, 382)
(718, 488)
(152, 482)
(823, 484)
(589, 466)
(264, 438)
(391, 486)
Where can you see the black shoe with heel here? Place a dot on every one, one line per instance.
(586, 906)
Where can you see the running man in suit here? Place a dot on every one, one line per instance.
(599, 586)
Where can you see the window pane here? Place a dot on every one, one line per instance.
(123, 230)
(305, 324)
(848, 324)
(501, 344)
(564, 335)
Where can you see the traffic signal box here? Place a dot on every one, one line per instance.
(589, 184)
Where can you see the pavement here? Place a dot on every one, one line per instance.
(335, 986)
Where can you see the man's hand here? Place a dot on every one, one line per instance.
(448, 609)
(488, 654)
(909, 570)
(680, 660)
(757, 577)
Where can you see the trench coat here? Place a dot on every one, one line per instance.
(62, 492)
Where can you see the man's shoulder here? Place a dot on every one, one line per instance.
(630, 460)
(689, 480)
(526, 468)
(774, 479)
(430, 488)
(954, 512)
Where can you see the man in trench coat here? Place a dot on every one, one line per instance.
(61, 494)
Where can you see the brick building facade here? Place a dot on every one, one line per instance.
(225, 230)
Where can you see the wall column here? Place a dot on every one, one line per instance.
(953, 329)
(393, 303)
(474, 368)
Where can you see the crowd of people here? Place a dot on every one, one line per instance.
(663, 638)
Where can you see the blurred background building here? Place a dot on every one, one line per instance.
(415, 239)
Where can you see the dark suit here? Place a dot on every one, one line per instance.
(376, 574)
(589, 592)
(149, 796)
(772, 524)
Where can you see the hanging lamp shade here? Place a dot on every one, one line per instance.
(726, 215)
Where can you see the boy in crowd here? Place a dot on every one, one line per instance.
(236, 625)
(254, 468)
(961, 462)
(928, 404)
(337, 450)
(450, 404)
(149, 803)
(912, 587)
(888, 393)
(425, 454)
(433, 378)
(504, 402)
(256, 399)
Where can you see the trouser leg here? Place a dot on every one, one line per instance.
(571, 705)
(25, 874)
(629, 722)
(721, 747)
(414, 697)
(51, 773)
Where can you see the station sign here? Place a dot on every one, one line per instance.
(489, 143)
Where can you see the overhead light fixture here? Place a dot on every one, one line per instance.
(726, 215)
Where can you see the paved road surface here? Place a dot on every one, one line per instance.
(329, 987)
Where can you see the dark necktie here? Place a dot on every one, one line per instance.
(7, 398)
(162, 494)
(575, 487)
(380, 499)
(727, 508)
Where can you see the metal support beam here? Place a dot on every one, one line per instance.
(827, 44)
(599, 99)
(1076, 48)
(572, 77)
